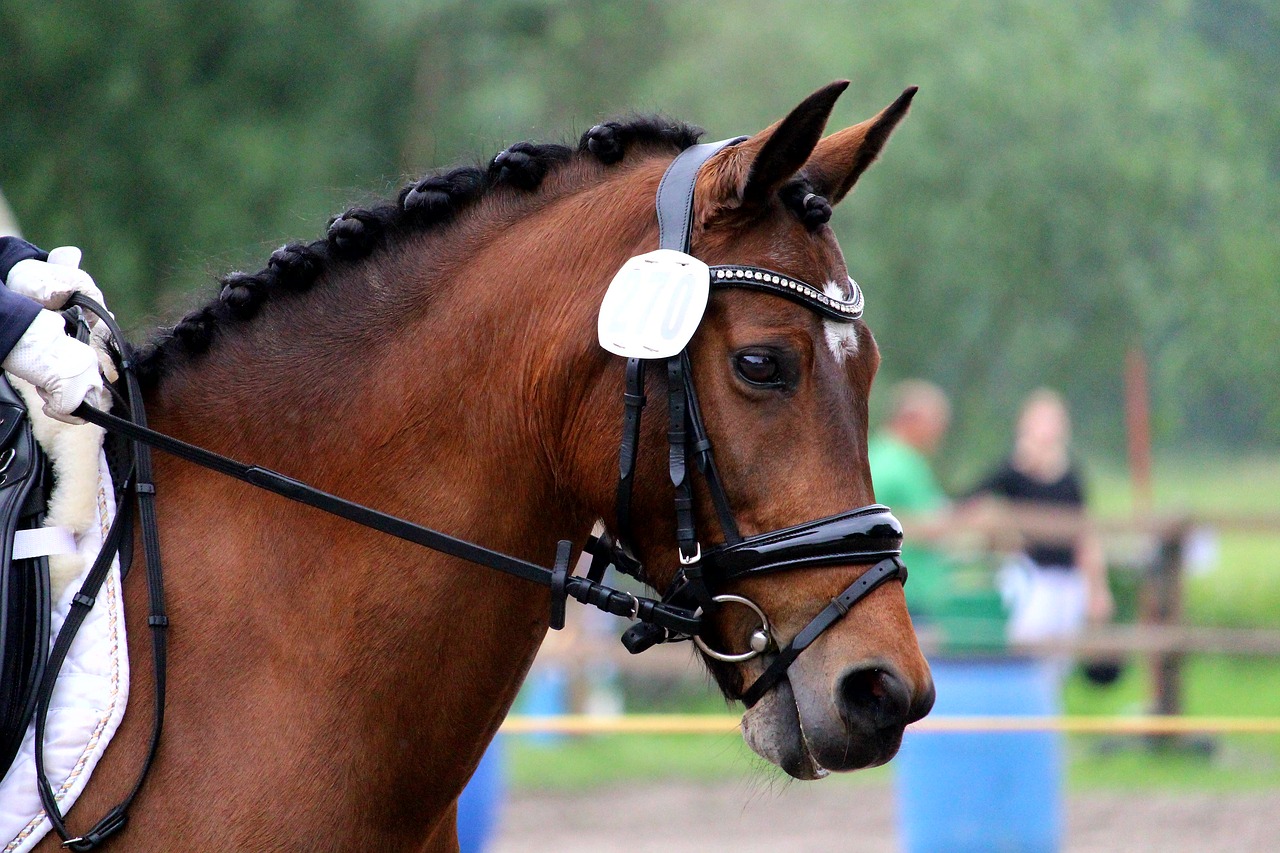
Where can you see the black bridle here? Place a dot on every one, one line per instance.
(869, 534)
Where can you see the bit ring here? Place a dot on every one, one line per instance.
(764, 630)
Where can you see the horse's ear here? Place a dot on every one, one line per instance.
(749, 173)
(842, 157)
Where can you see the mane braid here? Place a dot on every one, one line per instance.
(427, 203)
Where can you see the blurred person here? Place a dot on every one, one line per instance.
(34, 345)
(8, 224)
(899, 454)
(1053, 588)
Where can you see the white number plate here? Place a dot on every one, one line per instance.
(654, 304)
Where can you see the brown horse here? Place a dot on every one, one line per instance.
(435, 357)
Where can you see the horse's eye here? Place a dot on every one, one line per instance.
(758, 368)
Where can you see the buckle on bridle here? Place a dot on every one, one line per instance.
(695, 559)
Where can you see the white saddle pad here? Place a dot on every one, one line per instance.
(88, 701)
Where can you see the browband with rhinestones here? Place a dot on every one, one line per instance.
(733, 275)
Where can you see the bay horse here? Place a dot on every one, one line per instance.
(435, 357)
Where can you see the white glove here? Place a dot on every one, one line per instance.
(52, 282)
(64, 371)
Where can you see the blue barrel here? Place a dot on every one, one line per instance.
(481, 801)
(545, 694)
(984, 792)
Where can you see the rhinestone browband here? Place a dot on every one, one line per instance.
(794, 289)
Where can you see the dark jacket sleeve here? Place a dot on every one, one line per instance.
(16, 312)
(14, 249)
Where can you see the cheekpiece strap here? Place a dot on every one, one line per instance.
(758, 278)
(678, 460)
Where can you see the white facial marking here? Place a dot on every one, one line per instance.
(842, 338)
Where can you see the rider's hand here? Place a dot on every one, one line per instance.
(64, 371)
(52, 282)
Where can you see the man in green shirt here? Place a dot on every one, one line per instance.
(919, 415)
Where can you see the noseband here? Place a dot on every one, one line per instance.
(869, 534)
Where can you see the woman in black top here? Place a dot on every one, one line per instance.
(1055, 587)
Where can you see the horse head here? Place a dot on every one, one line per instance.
(435, 357)
(783, 389)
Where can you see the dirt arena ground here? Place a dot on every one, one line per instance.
(682, 816)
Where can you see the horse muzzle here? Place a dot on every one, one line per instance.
(868, 534)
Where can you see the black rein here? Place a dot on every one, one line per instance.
(575, 586)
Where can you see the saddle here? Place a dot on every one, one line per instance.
(25, 604)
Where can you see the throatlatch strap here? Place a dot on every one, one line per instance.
(705, 459)
(633, 406)
(835, 611)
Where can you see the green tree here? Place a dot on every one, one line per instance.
(159, 136)
(1074, 179)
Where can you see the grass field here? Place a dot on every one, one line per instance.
(1216, 686)
(1240, 588)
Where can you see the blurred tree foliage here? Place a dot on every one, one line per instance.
(1074, 179)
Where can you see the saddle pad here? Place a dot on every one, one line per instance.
(88, 700)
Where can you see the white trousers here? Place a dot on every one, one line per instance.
(1044, 604)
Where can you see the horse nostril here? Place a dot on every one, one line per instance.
(873, 696)
(922, 704)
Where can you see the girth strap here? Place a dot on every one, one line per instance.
(885, 570)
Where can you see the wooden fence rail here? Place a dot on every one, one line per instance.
(1156, 541)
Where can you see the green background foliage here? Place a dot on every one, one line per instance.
(1075, 179)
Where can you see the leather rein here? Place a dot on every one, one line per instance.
(868, 534)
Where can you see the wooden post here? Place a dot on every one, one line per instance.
(1137, 411)
(1162, 607)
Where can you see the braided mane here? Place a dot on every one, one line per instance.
(429, 202)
